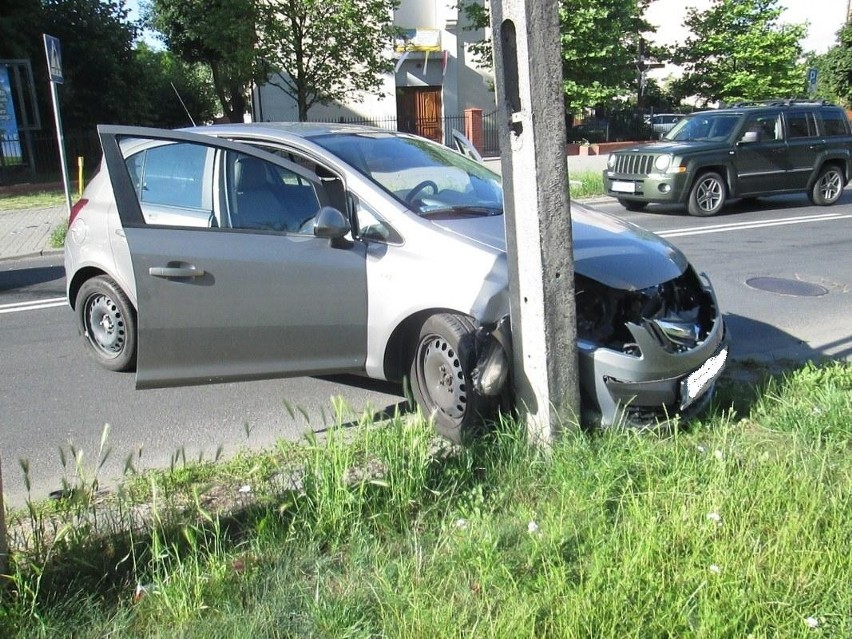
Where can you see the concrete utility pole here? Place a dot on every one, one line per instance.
(531, 116)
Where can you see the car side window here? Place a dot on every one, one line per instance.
(173, 184)
(801, 124)
(264, 196)
(834, 122)
(766, 125)
(371, 226)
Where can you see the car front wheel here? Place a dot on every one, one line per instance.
(708, 195)
(107, 320)
(828, 186)
(441, 376)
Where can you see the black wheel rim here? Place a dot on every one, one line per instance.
(105, 327)
(442, 377)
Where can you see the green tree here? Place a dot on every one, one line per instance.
(320, 52)
(738, 50)
(19, 27)
(175, 93)
(221, 34)
(835, 69)
(599, 40)
(97, 60)
(599, 45)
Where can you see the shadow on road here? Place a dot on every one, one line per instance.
(762, 354)
(750, 205)
(22, 278)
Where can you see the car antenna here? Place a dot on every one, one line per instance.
(183, 104)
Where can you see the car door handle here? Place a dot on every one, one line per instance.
(175, 271)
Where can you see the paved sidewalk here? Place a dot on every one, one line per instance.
(26, 233)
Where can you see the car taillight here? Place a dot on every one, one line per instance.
(76, 209)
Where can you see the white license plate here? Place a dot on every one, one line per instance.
(624, 187)
(697, 382)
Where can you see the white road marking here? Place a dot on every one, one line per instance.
(740, 226)
(35, 305)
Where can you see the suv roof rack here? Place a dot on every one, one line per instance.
(778, 102)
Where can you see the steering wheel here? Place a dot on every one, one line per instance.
(416, 190)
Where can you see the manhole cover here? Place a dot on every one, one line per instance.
(787, 287)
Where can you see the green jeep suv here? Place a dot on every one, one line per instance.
(745, 151)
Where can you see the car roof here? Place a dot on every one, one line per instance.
(279, 130)
(749, 107)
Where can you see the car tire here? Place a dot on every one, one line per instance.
(444, 358)
(107, 321)
(708, 195)
(828, 186)
(633, 205)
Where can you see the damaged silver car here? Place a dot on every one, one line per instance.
(240, 252)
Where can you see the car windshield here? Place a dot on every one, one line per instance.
(704, 126)
(429, 179)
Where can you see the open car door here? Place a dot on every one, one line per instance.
(465, 146)
(241, 267)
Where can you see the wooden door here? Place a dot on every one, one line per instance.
(418, 110)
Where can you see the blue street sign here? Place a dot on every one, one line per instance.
(54, 58)
(812, 80)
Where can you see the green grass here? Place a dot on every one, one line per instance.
(57, 235)
(40, 200)
(735, 526)
(586, 184)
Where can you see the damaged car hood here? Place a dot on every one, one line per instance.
(611, 251)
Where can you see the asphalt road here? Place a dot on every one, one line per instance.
(805, 250)
(53, 396)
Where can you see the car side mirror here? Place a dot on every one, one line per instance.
(331, 223)
(749, 137)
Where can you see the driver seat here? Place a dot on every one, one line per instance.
(257, 205)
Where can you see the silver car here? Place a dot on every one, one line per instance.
(254, 251)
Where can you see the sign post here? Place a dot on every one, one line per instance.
(53, 51)
(812, 81)
(531, 120)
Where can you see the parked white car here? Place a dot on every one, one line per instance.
(662, 123)
(264, 250)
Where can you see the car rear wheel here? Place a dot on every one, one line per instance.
(441, 376)
(107, 320)
(828, 186)
(633, 205)
(708, 195)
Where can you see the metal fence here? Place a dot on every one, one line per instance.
(29, 154)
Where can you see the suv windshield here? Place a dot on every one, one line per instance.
(429, 179)
(704, 126)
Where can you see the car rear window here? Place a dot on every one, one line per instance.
(835, 123)
(801, 124)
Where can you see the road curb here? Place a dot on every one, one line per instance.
(23, 256)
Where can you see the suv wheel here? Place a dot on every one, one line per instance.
(828, 186)
(708, 195)
(632, 205)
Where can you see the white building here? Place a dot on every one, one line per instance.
(435, 80)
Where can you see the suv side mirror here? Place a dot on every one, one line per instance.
(749, 137)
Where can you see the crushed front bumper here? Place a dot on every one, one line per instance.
(639, 390)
